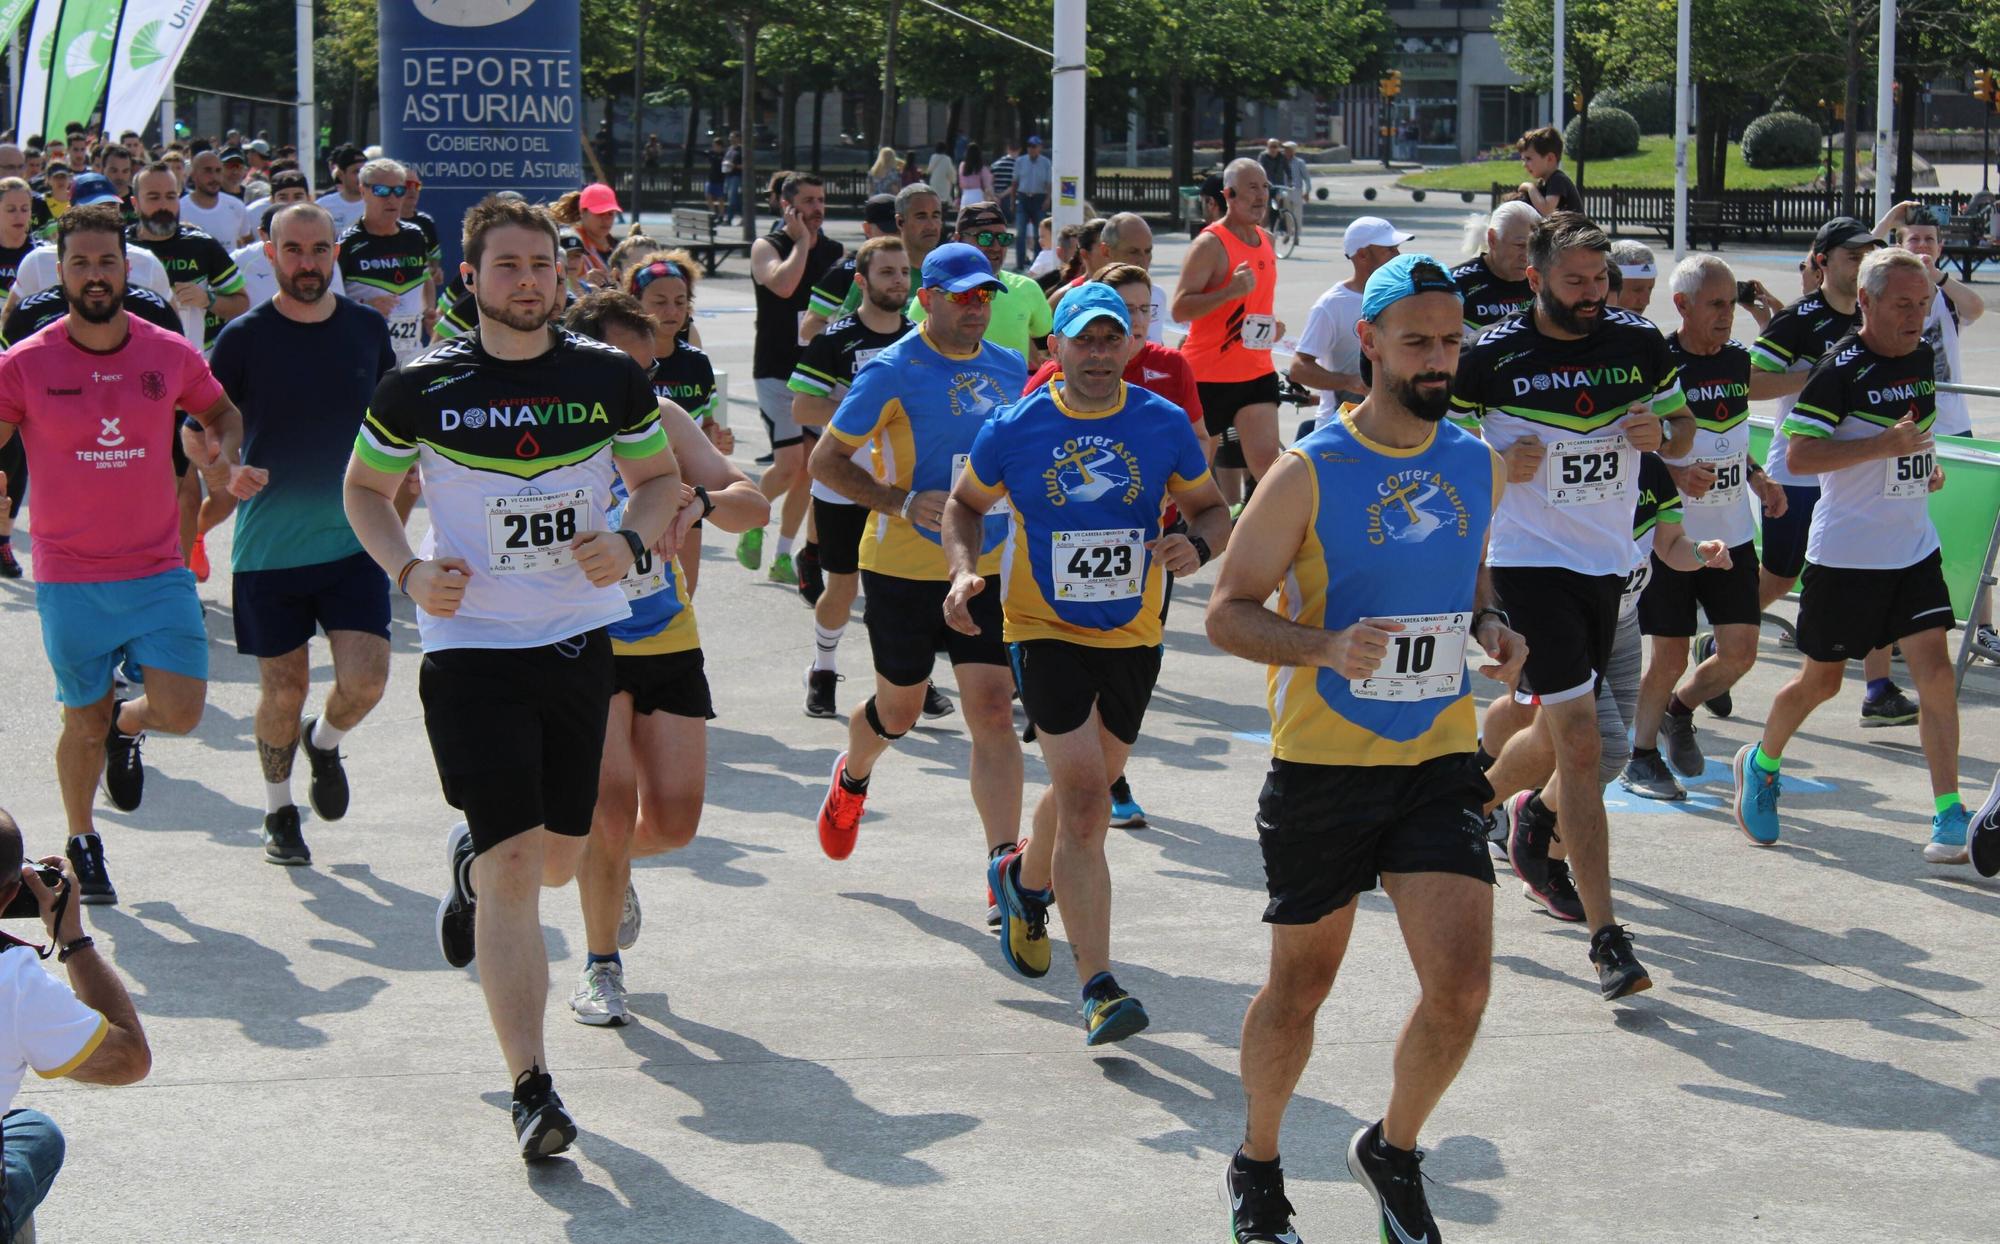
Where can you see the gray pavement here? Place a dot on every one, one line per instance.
(834, 1052)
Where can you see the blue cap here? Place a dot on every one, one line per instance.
(1034, 140)
(956, 268)
(1403, 277)
(91, 189)
(1088, 301)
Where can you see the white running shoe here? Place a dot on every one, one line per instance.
(599, 999)
(629, 921)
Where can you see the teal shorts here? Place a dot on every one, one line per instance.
(149, 623)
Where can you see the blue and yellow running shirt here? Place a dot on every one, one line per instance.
(921, 408)
(1086, 492)
(1395, 534)
(662, 618)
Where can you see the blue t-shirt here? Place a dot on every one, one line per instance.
(302, 389)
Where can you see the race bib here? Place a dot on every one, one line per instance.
(645, 577)
(528, 535)
(1426, 660)
(406, 336)
(1728, 487)
(1909, 476)
(958, 462)
(1588, 472)
(1097, 565)
(1260, 332)
(1635, 583)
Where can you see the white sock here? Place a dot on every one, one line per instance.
(826, 646)
(324, 736)
(277, 795)
(784, 546)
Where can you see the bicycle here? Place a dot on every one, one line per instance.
(1283, 224)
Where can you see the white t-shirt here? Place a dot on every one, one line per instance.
(345, 215)
(1941, 331)
(225, 222)
(38, 272)
(1330, 337)
(42, 1024)
(261, 283)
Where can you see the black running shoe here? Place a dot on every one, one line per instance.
(1618, 970)
(1258, 1212)
(454, 914)
(1681, 748)
(1395, 1178)
(1893, 709)
(1528, 835)
(541, 1122)
(328, 792)
(1704, 648)
(1983, 836)
(283, 843)
(820, 686)
(1559, 894)
(93, 882)
(935, 705)
(9, 568)
(812, 582)
(124, 767)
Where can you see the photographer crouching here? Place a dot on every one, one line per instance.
(86, 1030)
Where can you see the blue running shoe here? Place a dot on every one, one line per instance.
(1125, 810)
(1024, 917)
(1947, 844)
(1756, 802)
(1110, 1014)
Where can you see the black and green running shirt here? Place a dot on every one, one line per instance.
(1717, 388)
(1796, 339)
(518, 459)
(1487, 298)
(396, 264)
(1515, 382)
(191, 256)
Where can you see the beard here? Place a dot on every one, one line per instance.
(97, 302)
(518, 320)
(884, 301)
(1568, 316)
(163, 224)
(1428, 406)
(306, 287)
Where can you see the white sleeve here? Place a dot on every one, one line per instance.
(147, 270)
(1343, 353)
(1317, 339)
(54, 1032)
(37, 273)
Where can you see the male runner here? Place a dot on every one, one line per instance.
(94, 399)
(920, 224)
(221, 216)
(1591, 385)
(1494, 283)
(921, 402)
(1329, 355)
(520, 428)
(1087, 463)
(1123, 238)
(252, 262)
(16, 217)
(1874, 575)
(345, 202)
(1227, 287)
(1373, 529)
(386, 260)
(1021, 316)
(302, 368)
(1638, 272)
(829, 294)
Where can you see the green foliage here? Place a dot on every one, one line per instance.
(1612, 133)
(1650, 103)
(1780, 139)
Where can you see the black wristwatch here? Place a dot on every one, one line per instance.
(81, 943)
(633, 542)
(1480, 615)
(1200, 549)
(707, 502)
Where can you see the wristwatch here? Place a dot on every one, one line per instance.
(633, 542)
(1200, 549)
(707, 502)
(1480, 615)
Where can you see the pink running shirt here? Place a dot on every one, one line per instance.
(99, 432)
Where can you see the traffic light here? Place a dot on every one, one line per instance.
(1392, 84)
(1896, 93)
(1984, 89)
(1577, 99)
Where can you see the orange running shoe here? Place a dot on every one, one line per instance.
(198, 559)
(840, 814)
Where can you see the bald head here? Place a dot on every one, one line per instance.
(1126, 238)
(302, 224)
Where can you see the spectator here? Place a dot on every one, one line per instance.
(1302, 182)
(1277, 169)
(942, 174)
(912, 171)
(883, 176)
(1049, 259)
(717, 199)
(1548, 189)
(651, 155)
(732, 178)
(1032, 177)
(975, 180)
(86, 1030)
(1003, 178)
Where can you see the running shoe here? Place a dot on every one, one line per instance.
(1527, 842)
(812, 582)
(1704, 648)
(1893, 709)
(1947, 844)
(198, 559)
(454, 914)
(1024, 918)
(1395, 1178)
(1986, 637)
(1497, 823)
(1110, 1014)
(840, 814)
(1559, 895)
(327, 793)
(1678, 743)
(541, 1123)
(820, 686)
(1125, 810)
(9, 567)
(1984, 835)
(1618, 972)
(782, 572)
(1756, 799)
(283, 841)
(1648, 777)
(1258, 1212)
(750, 548)
(124, 768)
(935, 704)
(599, 999)
(630, 918)
(93, 880)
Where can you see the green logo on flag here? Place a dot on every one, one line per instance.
(146, 49)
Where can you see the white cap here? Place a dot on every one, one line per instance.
(1371, 231)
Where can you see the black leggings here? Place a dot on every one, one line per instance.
(14, 461)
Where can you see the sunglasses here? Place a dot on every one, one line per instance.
(984, 294)
(381, 191)
(986, 237)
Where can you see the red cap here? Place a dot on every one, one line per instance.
(598, 197)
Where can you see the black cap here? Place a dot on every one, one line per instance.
(290, 179)
(346, 154)
(973, 213)
(234, 155)
(880, 211)
(1843, 231)
(1211, 188)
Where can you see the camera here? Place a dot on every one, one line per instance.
(1746, 293)
(24, 906)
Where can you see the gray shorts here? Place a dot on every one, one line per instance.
(774, 403)
(1618, 700)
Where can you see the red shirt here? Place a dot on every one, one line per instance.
(1157, 368)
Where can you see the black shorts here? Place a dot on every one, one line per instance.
(1570, 621)
(839, 529)
(674, 683)
(906, 628)
(14, 461)
(1846, 614)
(1726, 597)
(518, 733)
(1061, 681)
(278, 610)
(1785, 538)
(1330, 831)
(1222, 400)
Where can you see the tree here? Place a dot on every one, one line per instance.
(1592, 51)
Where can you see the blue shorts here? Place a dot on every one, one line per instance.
(278, 610)
(88, 628)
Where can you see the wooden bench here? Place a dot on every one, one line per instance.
(1965, 244)
(694, 231)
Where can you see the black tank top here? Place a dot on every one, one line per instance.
(777, 348)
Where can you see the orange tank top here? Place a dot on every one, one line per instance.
(1233, 342)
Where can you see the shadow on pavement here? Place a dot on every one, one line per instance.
(397, 926)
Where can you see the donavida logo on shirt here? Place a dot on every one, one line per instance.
(521, 414)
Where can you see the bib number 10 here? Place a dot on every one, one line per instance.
(1425, 661)
(1412, 654)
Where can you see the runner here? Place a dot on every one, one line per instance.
(1228, 283)
(39, 269)
(345, 202)
(1086, 465)
(220, 216)
(1715, 377)
(253, 264)
(1124, 238)
(518, 580)
(16, 219)
(413, 188)
(94, 398)
(682, 372)
(830, 293)
(1021, 316)
(1874, 575)
(920, 224)
(1329, 355)
(785, 263)
(1494, 283)
(291, 367)
(920, 403)
(654, 775)
(386, 260)
(1600, 382)
(1372, 777)
(820, 383)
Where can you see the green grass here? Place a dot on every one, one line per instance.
(1651, 167)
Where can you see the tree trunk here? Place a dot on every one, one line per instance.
(752, 195)
(1183, 130)
(954, 119)
(788, 123)
(638, 106)
(693, 133)
(1850, 138)
(819, 118)
(886, 136)
(1582, 141)
(1229, 111)
(1181, 166)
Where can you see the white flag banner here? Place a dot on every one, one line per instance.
(151, 40)
(35, 68)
